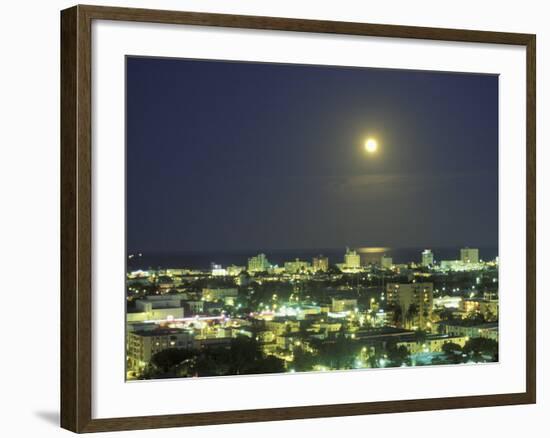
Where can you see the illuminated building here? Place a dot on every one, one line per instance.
(320, 263)
(234, 270)
(258, 263)
(219, 294)
(371, 255)
(326, 327)
(280, 326)
(143, 345)
(297, 266)
(299, 312)
(448, 302)
(285, 341)
(415, 301)
(380, 318)
(139, 274)
(487, 330)
(218, 271)
(157, 307)
(432, 344)
(487, 308)
(386, 262)
(265, 337)
(212, 342)
(193, 307)
(469, 255)
(343, 304)
(459, 265)
(176, 272)
(165, 283)
(427, 258)
(352, 260)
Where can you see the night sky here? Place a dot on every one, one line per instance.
(248, 156)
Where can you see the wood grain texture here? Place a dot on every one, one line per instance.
(68, 347)
(76, 223)
(531, 250)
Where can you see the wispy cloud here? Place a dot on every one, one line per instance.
(388, 183)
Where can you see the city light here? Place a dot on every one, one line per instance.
(311, 320)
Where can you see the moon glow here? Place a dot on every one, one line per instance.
(371, 145)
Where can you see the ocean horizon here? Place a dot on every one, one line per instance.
(205, 259)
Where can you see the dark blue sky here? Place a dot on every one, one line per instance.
(235, 156)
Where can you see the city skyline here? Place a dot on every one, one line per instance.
(292, 173)
(302, 316)
(204, 259)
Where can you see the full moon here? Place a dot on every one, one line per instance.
(371, 145)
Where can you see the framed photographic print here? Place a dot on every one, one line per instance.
(270, 218)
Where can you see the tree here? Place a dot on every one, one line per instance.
(375, 356)
(147, 373)
(453, 352)
(166, 360)
(396, 314)
(412, 314)
(268, 364)
(475, 319)
(420, 336)
(242, 357)
(450, 348)
(210, 362)
(303, 360)
(490, 316)
(243, 353)
(399, 355)
(446, 315)
(479, 348)
(339, 354)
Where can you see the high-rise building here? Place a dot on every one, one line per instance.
(320, 263)
(427, 258)
(218, 270)
(352, 260)
(343, 304)
(386, 262)
(469, 255)
(297, 266)
(234, 270)
(414, 302)
(258, 263)
(143, 345)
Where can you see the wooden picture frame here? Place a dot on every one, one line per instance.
(76, 218)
